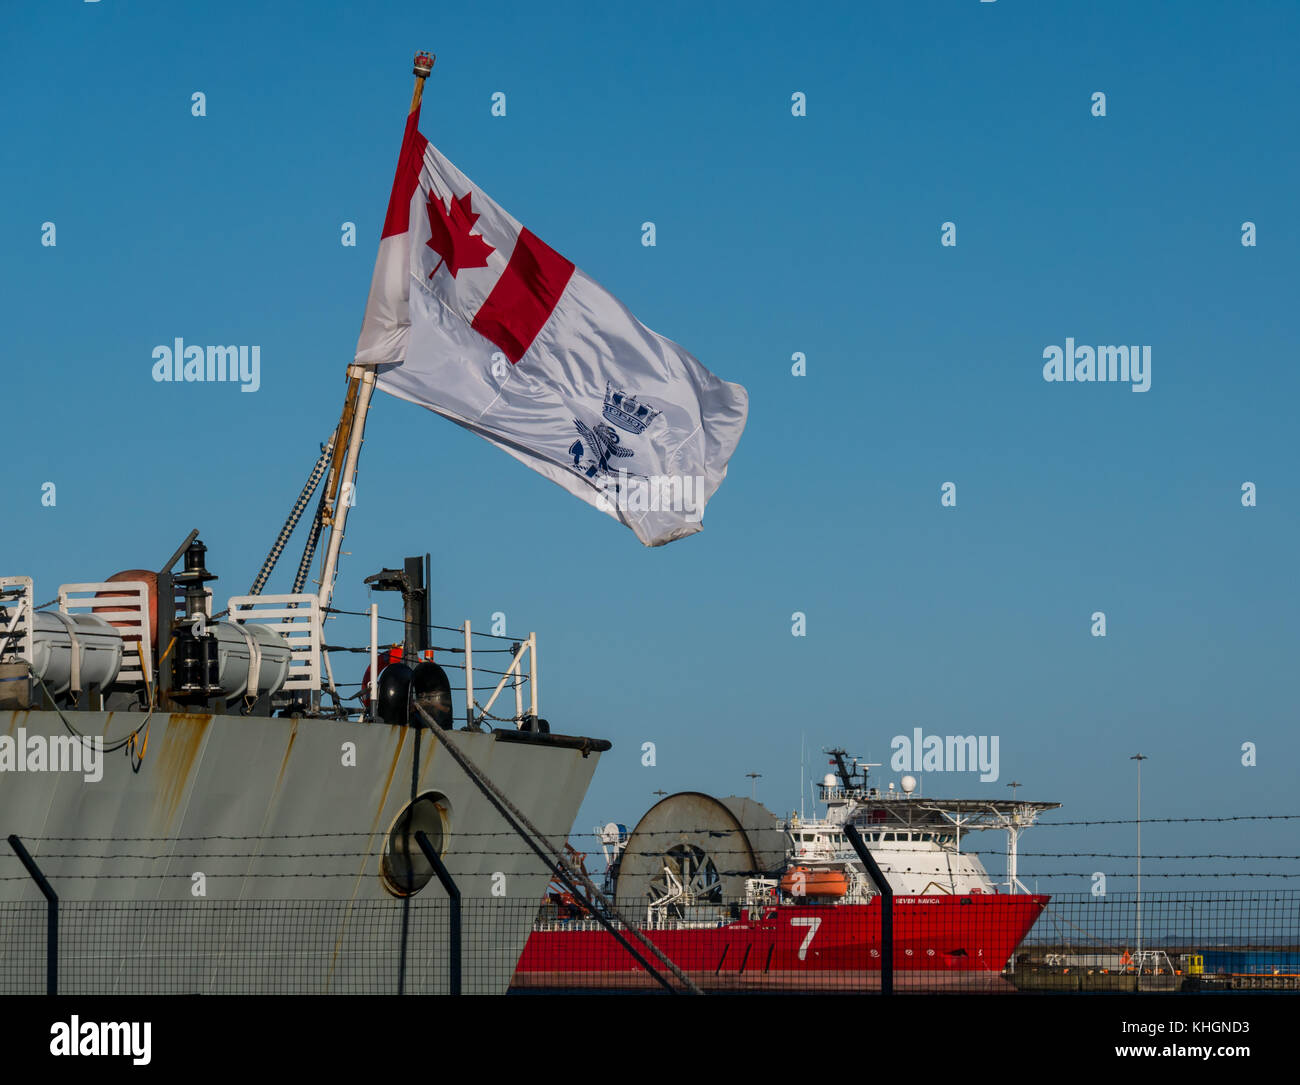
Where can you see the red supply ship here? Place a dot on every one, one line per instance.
(739, 899)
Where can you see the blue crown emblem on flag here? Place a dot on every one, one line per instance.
(626, 413)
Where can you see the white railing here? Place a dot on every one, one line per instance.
(573, 925)
(125, 605)
(830, 794)
(16, 629)
(297, 619)
(514, 674)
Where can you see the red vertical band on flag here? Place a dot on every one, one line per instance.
(407, 178)
(524, 297)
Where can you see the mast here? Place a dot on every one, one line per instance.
(803, 772)
(340, 494)
(341, 488)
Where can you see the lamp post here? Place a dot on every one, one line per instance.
(753, 781)
(1139, 758)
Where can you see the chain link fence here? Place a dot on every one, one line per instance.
(1236, 940)
(1165, 941)
(260, 947)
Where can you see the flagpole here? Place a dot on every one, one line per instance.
(340, 492)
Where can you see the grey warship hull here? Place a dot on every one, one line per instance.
(247, 854)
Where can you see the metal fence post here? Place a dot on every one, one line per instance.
(886, 910)
(51, 912)
(453, 894)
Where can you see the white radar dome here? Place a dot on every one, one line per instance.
(829, 780)
(908, 784)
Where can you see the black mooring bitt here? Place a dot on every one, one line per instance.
(51, 913)
(886, 909)
(453, 894)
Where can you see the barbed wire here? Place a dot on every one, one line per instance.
(353, 873)
(1144, 856)
(215, 874)
(480, 851)
(298, 855)
(715, 832)
(1156, 821)
(223, 836)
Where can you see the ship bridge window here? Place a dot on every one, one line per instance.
(403, 867)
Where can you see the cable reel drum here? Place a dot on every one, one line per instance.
(691, 853)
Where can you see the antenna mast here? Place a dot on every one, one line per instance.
(803, 771)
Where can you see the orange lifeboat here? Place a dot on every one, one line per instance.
(801, 881)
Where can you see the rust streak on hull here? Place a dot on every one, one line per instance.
(182, 742)
(288, 749)
(429, 755)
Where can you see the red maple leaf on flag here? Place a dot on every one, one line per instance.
(450, 237)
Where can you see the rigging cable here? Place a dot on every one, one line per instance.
(557, 863)
(295, 514)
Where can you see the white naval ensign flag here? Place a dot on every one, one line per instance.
(476, 318)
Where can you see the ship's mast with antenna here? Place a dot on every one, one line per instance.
(352, 425)
(803, 771)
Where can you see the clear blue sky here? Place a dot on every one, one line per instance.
(776, 234)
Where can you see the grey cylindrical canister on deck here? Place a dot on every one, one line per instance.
(99, 651)
(234, 658)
